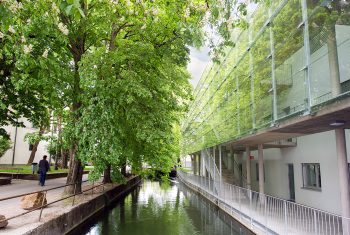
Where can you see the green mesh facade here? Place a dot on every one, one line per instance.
(282, 65)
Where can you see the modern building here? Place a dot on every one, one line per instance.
(274, 115)
(20, 150)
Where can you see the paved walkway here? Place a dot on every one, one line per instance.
(30, 221)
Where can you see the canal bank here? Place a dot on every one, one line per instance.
(156, 208)
(68, 221)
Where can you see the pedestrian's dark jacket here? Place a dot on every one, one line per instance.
(44, 166)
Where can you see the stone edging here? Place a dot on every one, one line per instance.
(35, 176)
(5, 180)
(69, 221)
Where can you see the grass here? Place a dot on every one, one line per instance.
(24, 169)
(28, 169)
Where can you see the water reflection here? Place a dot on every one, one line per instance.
(164, 209)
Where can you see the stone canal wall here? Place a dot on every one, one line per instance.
(67, 222)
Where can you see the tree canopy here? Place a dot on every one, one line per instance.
(116, 68)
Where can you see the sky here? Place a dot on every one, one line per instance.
(199, 61)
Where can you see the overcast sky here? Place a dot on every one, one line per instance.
(199, 60)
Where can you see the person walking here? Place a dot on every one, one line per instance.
(43, 169)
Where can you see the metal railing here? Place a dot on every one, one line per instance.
(242, 176)
(265, 214)
(210, 165)
(43, 204)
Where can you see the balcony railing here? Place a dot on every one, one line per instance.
(265, 214)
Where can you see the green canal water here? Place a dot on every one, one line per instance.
(158, 209)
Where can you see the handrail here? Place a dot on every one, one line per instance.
(45, 191)
(268, 214)
(243, 175)
(24, 194)
(278, 198)
(215, 171)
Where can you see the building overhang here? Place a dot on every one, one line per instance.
(313, 122)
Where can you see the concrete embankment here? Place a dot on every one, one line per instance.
(70, 220)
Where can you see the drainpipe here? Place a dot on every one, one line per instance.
(14, 147)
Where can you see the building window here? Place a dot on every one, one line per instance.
(311, 175)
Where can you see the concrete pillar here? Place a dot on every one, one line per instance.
(261, 168)
(198, 163)
(230, 159)
(343, 176)
(220, 162)
(214, 155)
(195, 169)
(247, 150)
(211, 167)
(192, 162)
(238, 173)
(202, 162)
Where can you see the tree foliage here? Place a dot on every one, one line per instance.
(5, 144)
(117, 68)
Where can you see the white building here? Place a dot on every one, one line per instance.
(20, 150)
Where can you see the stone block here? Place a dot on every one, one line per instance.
(33, 201)
(3, 221)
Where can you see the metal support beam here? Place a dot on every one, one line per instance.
(273, 75)
(307, 54)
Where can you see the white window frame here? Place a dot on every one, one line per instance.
(312, 176)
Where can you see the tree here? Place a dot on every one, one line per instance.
(119, 67)
(19, 97)
(34, 139)
(5, 144)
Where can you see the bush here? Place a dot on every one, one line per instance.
(5, 144)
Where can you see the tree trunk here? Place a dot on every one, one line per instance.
(123, 170)
(107, 174)
(64, 155)
(35, 147)
(333, 61)
(75, 173)
(32, 153)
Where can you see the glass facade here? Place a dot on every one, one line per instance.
(293, 58)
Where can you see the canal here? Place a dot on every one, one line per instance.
(155, 208)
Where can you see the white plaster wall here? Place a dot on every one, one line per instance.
(22, 152)
(276, 173)
(317, 148)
